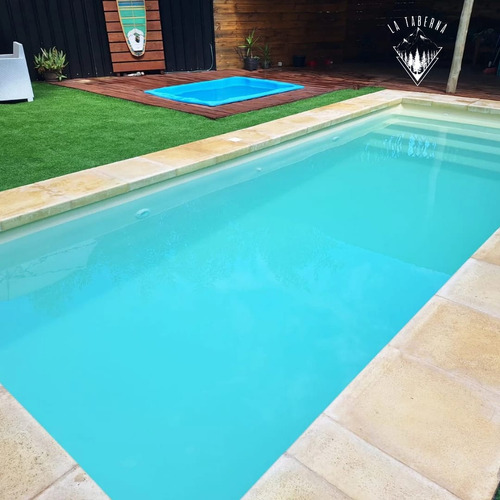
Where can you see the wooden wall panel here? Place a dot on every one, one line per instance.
(340, 29)
(290, 27)
(122, 60)
(369, 39)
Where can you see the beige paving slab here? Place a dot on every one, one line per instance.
(80, 183)
(419, 100)
(76, 485)
(457, 339)
(30, 460)
(488, 102)
(253, 137)
(182, 156)
(26, 204)
(85, 187)
(335, 115)
(490, 250)
(221, 148)
(485, 106)
(287, 479)
(282, 129)
(427, 419)
(310, 121)
(382, 96)
(139, 172)
(352, 108)
(359, 469)
(359, 105)
(438, 100)
(18, 200)
(475, 284)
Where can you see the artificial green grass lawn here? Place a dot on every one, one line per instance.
(65, 130)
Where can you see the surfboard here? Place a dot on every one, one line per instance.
(133, 20)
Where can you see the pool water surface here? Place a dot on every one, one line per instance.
(164, 342)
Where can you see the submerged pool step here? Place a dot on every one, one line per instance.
(468, 133)
(455, 145)
(464, 157)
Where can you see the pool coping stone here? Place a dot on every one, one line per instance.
(420, 421)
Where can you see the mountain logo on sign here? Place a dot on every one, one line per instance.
(417, 54)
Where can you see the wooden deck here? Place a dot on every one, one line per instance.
(315, 83)
(132, 88)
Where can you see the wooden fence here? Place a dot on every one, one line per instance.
(77, 27)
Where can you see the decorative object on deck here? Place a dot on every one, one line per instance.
(133, 20)
(224, 90)
(15, 81)
(50, 64)
(125, 54)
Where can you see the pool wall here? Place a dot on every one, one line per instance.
(421, 420)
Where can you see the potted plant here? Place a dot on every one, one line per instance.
(265, 51)
(246, 51)
(50, 64)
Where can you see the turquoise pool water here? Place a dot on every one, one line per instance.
(177, 344)
(223, 90)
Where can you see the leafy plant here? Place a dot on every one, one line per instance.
(51, 60)
(250, 45)
(265, 51)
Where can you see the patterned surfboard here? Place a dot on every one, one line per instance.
(133, 19)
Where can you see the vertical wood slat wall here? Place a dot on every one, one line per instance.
(121, 58)
(291, 27)
(337, 29)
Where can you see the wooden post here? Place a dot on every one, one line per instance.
(458, 53)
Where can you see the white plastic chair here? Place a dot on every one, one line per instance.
(15, 83)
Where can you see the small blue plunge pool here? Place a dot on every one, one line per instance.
(224, 90)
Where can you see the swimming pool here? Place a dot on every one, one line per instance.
(224, 90)
(337, 256)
